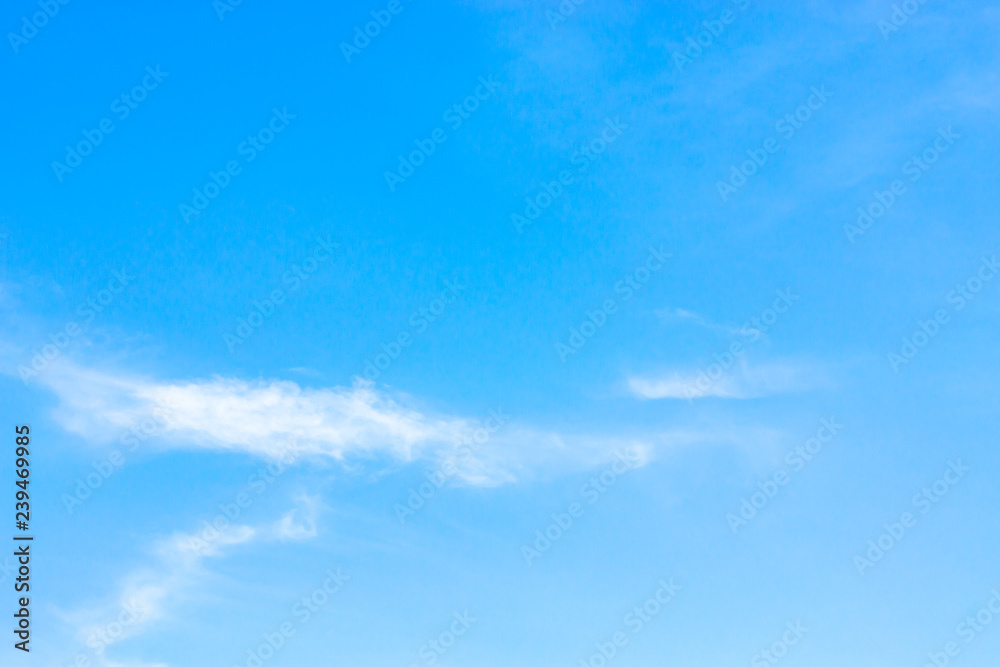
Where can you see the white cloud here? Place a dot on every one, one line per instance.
(739, 382)
(279, 419)
(255, 417)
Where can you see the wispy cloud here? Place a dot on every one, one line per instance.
(150, 593)
(742, 381)
(691, 317)
(275, 419)
(299, 523)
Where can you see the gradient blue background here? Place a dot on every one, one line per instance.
(495, 347)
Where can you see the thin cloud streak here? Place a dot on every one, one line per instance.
(742, 382)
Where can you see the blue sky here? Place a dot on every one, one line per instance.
(520, 333)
